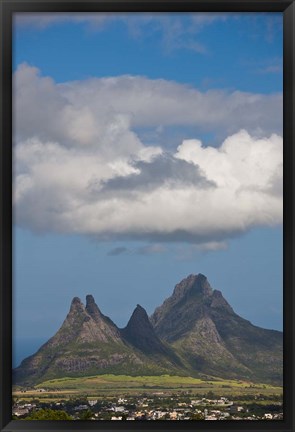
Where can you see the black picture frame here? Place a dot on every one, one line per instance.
(8, 7)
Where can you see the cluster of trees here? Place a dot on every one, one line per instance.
(49, 414)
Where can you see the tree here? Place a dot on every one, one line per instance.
(86, 415)
(49, 414)
(210, 395)
(197, 416)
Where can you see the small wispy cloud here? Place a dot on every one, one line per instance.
(175, 31)
(264, 66)
(118, 251)
(272, 69)
(151, 249)
(212, 246)
(192, 252)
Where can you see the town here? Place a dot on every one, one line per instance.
(156, 406)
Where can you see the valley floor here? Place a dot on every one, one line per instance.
(121, 397)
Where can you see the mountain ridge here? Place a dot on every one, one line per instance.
(195, 331)
(199, 323)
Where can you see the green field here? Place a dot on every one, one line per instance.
(109, 385)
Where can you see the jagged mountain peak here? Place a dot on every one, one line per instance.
(195, 330)
(139, 311)
(139, 321)
(89, 299)
(192, 284)
(200, 323)
(85, 324)
(140, 333)
(92, 309)
(77, 305)
(193, 291)
(76, 300)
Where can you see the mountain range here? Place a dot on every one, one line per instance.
(195, 332)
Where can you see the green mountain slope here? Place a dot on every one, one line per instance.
(89, 343)
(203, 328)
(194, 332)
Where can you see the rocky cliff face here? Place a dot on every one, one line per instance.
(140, 333)
(204, 329)
(85, 325)
(195, 331)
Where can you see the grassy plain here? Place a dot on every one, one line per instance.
(115, 385)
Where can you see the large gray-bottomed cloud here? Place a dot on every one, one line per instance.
(80, 167)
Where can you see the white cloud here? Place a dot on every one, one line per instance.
(151, 249)
(63, 190)
(136, 20)
(79, 166)
(174, 31)
(108, 110)
(212, 246)
(154, 103)
(242, 163)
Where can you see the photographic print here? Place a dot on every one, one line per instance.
(148, 216)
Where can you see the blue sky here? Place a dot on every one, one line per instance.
(147, 148)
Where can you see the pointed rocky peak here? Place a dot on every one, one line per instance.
(76, 300)
(92, 309)
(140, 333)
(218, 301)
(76, 306)
(77, 313)
(139, 313)
(193, 284)
(188, 297)
(139, 320)
(102, 321)
(89, 300)
(201, 285)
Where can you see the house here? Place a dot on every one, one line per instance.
(81, 407)
(235, 409)
(19, 412)
(210, 417)
(119, 409)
